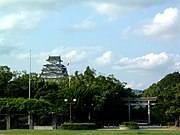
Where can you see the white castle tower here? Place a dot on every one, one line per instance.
(54, 69)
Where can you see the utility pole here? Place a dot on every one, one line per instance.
(30, 117)
(30, 74)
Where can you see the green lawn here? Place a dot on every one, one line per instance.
(89, 132)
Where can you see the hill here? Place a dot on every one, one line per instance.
(167, 91)
(170, 82)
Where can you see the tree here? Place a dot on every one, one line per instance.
(109, 103)
(19, 85)
(167, 91)
(5, 77)
(98, 98)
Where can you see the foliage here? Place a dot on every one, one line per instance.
(5, 76)
(130, 125)
(21, 105)
(167, 92)
(97, 97)
(79, 126)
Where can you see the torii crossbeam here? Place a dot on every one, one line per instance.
(140, 101)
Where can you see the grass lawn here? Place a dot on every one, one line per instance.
(89, 132)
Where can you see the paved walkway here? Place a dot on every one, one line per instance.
(142, 128)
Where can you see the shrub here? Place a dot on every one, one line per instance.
(78, 126)
(131, 125)
(170, 124)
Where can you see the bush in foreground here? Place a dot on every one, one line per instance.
(130, 125)
(79, 126)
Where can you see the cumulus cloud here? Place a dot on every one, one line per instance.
(75, 55)
(163, 27)
(105, 59)
(150, 62)
(19, 21)
(164, 24)
(115, 8)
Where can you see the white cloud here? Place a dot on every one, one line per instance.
(19, 21)
(111, 10)
(5, 50)
(38, 58)
(176, 61)
(79, 56)
(135, 85)
(7, 47)
(115, 8)
(32, 4)
(85, 25)
(73, 54)
(23, 56)
(105, 59)
(150, 62)
(164, 25)
(61, 3)
(126, 32)
(76, 55)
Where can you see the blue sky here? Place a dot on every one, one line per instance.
(135, 40)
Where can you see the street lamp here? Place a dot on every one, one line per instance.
(70, 106)
(89, 107)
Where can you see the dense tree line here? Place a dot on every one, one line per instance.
(98, 98)
(167, 91)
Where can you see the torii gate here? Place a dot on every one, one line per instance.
(140, 101)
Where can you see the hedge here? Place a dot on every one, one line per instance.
(79, 126)
(131, 125)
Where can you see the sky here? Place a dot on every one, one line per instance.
(138, 41)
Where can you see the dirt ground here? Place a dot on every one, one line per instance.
(173, 128)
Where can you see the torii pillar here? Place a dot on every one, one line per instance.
(143, 101)
(149, 112)
(8, 122)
